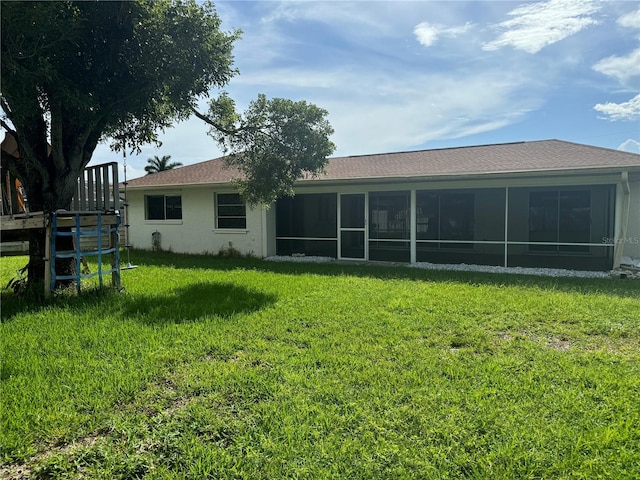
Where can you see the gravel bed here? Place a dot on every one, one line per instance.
(548, 272)
(300, 259)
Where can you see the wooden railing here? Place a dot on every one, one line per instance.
(98, 189)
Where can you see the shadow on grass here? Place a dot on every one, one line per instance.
(194, 302)
(14, 305)
(186, 304)
(606, 286)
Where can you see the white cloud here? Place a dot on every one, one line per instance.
(427, 33)
(333, 13)
(630, 20)
(621, 111)
(291, 77)
(621, 68)
(537, 25)
(377, 110)
(630, 145)
(271, 30)
(391, 113)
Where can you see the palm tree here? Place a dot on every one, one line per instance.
(160, 164)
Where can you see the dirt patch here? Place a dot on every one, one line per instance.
(25, 471)
(558, 343)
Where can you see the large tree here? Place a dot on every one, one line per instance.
(77, 73)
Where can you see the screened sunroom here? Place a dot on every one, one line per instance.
(555, 227)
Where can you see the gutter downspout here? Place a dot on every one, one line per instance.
(618, 249)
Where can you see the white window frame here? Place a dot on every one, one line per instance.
(218, 216)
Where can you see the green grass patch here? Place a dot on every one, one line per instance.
(239, 368)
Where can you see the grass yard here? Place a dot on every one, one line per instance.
(238, 368)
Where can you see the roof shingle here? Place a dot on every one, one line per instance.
(540, 156)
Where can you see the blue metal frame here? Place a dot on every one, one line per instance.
(77, 253)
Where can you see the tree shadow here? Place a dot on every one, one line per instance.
(195, 302)
(623, 288)
(14, 305)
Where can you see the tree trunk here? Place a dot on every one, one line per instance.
(37, 264)
(65, 266)
(38, 240)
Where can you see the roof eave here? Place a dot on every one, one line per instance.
(471, 175)
(179, 185)
(320, 181)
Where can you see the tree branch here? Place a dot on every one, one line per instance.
(5, 105)
(215, 125)
(236, 132)
(6, 126)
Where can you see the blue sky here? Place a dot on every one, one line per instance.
(398, 76)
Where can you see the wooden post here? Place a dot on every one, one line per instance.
(105, 187)
(115, 186)
(91, 193)
(11, 194)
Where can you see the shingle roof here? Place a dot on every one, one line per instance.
(210, 171)
(535, 156)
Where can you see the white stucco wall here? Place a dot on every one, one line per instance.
(632, 240)
(196, 232)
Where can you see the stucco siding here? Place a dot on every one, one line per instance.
(632, 240)
(195, 232)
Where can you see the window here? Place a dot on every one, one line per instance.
(445, 216)
(560, 217)
(163, 207)
(231, 211)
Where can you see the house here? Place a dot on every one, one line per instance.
(545, 203)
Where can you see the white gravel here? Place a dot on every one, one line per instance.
(300, 259)
(548, 272)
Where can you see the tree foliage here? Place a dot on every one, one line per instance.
(274, 143)
(75, 73)
(160, 164)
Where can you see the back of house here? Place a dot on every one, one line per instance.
(543, 203)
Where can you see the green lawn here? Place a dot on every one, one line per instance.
(237, 368)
